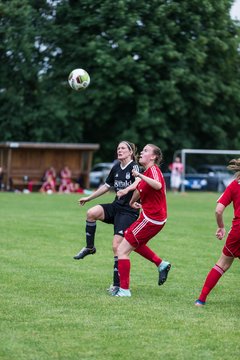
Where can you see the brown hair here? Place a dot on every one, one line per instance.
(234, 165)
(158, 152)
(132, 147)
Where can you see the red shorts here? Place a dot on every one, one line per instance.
(232, 245)
(141, 231)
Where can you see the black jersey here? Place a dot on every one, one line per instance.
(121, 177)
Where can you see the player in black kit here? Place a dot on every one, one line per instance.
(119, 212)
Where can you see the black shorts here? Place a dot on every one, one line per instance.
(121, 217)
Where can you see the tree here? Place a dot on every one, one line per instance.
(165, 72)
(21, 64)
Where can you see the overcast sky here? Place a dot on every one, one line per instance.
(235, 11)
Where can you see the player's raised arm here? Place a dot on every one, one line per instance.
(154, 183)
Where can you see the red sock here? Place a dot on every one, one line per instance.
(211, 280)
(148, 254)
(124, 266)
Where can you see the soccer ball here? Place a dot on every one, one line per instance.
(79, 79)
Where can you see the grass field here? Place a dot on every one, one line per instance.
(53, 307)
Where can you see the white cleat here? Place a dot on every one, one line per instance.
(123, 293)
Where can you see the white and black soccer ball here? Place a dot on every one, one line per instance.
(79, 79)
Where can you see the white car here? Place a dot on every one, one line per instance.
(99, 173)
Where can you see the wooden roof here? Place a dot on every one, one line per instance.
(49, 145)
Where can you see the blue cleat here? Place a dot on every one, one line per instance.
(163, 269)
(199, 303)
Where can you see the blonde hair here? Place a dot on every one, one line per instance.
(234, 165)
(158, 152)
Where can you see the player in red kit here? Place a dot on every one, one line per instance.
(151, 191)
(231, 249)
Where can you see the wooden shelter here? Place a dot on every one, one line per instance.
(28, 161)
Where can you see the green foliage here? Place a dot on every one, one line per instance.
(53, 307)
(166, 72)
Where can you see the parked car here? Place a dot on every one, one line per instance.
(205, 177)
(195, 182)
(218, 176)
(192, 180)
(99, 173)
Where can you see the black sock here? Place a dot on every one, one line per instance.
(116, 280)
(90, 233)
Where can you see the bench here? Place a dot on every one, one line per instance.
(33, 181)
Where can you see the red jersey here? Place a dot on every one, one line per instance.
(232, 194)
(154, 204)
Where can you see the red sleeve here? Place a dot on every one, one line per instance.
(155, 173)
(226, 197)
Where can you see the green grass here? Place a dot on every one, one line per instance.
(53, 307)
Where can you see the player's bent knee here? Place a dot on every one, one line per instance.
(95, 213)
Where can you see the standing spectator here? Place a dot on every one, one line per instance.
(151, 191)
(231, 249)
(119, 212)
(176, 174)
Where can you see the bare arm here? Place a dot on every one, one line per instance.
(100, 191)
(153, 183)
(220, 233)
(133, 202)
(131, 187)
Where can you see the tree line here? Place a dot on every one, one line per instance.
(162, 71)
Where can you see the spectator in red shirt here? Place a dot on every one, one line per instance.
(49, 181)
(66, 185)
(151, 191)
(50, 172)
(231, 249)
(48, 186)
